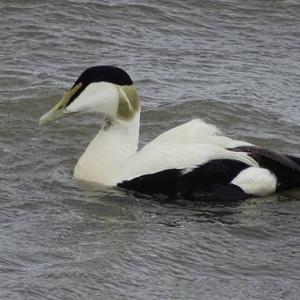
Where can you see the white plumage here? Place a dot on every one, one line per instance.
(195, 132)
(112, 156)
(256, 181)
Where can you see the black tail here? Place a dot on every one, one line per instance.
(294, 159)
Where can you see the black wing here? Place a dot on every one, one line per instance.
(204, 182)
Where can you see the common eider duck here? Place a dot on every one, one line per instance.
(193, 160)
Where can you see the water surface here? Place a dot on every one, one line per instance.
(233, 63)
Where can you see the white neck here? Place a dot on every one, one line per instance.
(116, 141)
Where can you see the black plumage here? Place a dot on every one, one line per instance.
(208, 181)
(212, 180)
(101, 73)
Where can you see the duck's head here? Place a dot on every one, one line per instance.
(105, 89)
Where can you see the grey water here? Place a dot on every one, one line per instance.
(233, 63)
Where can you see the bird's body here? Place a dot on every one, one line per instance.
(193, 160)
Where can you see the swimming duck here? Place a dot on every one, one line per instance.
(193, 160)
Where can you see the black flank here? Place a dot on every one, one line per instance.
(210, 181)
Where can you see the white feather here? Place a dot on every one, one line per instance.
(104, 157)
(256, 181)
(162, 157)
(195, 132)
(112, 156)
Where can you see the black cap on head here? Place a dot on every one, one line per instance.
(101, 73)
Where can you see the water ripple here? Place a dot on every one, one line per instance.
(232, 63)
